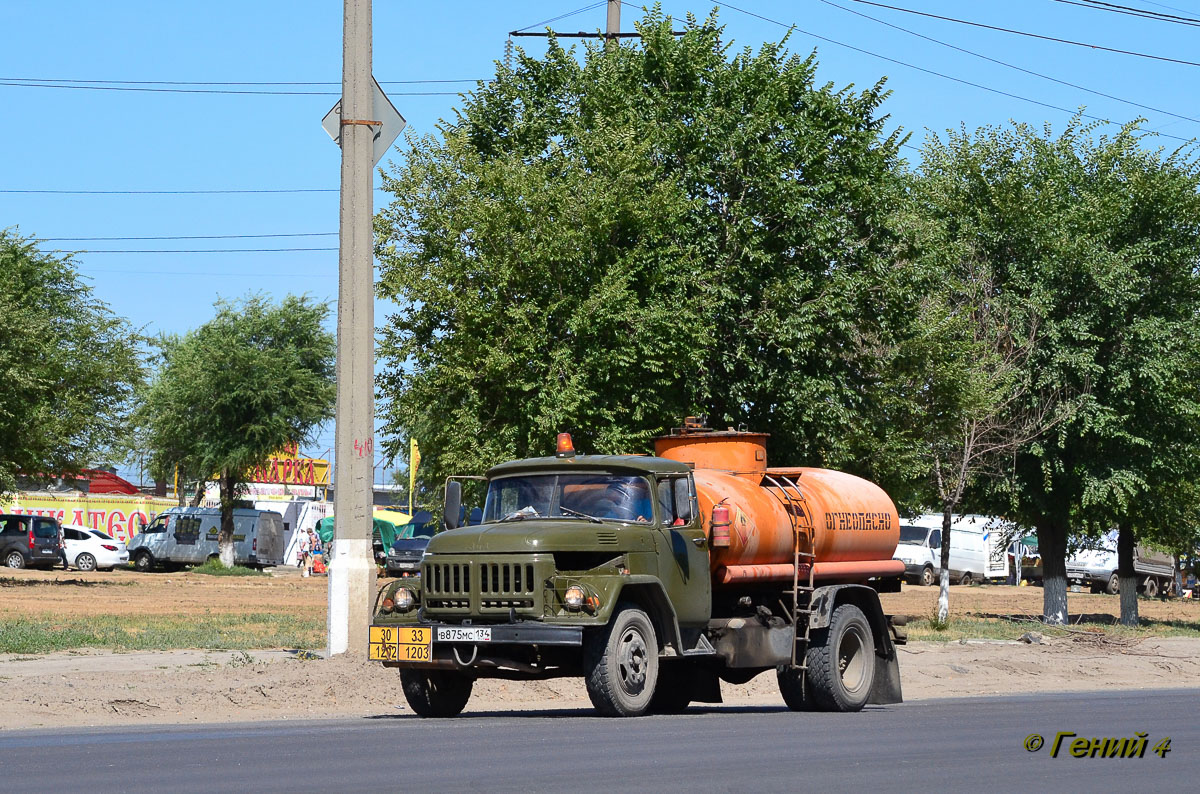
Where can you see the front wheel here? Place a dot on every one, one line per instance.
(85, 562)
(143, 562)
(1114, 585)
(15, 559)
(927, 575)
(620, 664)
(436, 693)
(841, 667)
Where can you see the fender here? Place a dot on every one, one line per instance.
(886, 686)
(648, 593)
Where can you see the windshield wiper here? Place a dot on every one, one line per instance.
(571, 512)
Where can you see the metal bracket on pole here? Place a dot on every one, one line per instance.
(361, 123)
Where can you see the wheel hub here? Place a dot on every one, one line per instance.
(633, 661)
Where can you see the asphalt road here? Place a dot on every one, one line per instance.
(927, 745)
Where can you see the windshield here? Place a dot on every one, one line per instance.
(911, 534)
(604, 496)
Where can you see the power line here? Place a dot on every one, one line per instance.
(197, 250)
(217, 82)
(188, 237)
(175, 192)
(1030, 35)
(1007, 64)
(545, 22)
(145, 89)
(208, 274)
(1133, 12)
(929, 71)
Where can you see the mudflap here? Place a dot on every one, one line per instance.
(886, 687)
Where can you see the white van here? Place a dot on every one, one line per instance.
(974, 555)
(188, 535)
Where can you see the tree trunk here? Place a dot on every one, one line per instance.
(198, 497)
(944, 588)
(1052, 545)
(225, 538)
(1126, 576)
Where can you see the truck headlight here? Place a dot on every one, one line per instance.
(573, 598)
(404, 599)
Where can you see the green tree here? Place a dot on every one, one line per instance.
(226, 396)
(606, 243)
(68, 366)
(1094, 241)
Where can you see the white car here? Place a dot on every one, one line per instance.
(91, 549)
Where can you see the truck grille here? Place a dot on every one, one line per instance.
(483, 586)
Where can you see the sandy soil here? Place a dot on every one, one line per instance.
(101, 688)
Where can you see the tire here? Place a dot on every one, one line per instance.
(436, 693)
(1114, 584)
(85, 562)
(673, 692)
(14, 559)
(1150, 588)
(966, 580)
(841, 666)
(927, 576)
(620, 664)
(143, 562)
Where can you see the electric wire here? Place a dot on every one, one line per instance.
(1028, 34)
(186, 237)
(195, 250)
(146, 89)
(217, 82)
(943, 75)
(562, 16)
(1131, 11)
(1010, 65)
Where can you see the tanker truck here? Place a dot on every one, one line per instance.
(654, 578)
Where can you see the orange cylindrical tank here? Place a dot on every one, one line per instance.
(855, 526)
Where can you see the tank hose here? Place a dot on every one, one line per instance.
(474, 656)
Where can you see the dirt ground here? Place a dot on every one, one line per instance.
(92, 687)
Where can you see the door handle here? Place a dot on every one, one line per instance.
(699, 541)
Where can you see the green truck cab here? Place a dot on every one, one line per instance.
(592, 566)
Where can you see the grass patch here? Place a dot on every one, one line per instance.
(50, 633)
(973, 626)
(215, 568)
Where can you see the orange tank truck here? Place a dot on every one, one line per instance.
(848, 524)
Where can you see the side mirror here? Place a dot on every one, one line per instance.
(453, 504)
(683, 501)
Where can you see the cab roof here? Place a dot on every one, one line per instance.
(625, 464)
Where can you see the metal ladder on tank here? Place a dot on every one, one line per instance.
(796, 505)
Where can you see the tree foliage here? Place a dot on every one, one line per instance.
(68, 366)
(1095, 241)
(605, 242)
(227, 395)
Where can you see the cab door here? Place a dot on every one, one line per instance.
(683, 550)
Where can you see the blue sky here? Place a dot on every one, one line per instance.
(109, 140)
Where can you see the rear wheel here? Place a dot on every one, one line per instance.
(15, 559)
(841, 668)
(436, 693)
(620, 664)
(85, 562)
(791, 686)
(143, 561)
(927, 575)
(966, 579)
(1150, 588)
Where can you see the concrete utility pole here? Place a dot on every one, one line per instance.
(614, 20)
(352, 572)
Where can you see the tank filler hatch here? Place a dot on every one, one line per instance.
(733, 450)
